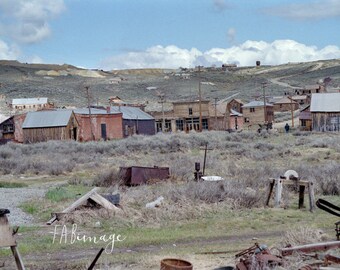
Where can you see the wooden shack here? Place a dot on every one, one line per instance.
(305, 119)
(50, 125)
(255, 113)
(325, 111)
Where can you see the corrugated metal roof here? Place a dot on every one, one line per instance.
(94, 111)
(256, 103)
(131, 113)
(43, 119)
(29, 101)
(325, 102)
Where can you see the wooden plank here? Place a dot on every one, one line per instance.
(104, 202)
(18, 260)
(301, 196)
(270, 190)
(74, 205)
(311, 196)
(6, 237)
(278, 192)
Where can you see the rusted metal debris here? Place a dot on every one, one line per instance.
(257, 257)
(136, 175)
(333, 210)
(324, 260)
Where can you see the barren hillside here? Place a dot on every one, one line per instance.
(64, 84)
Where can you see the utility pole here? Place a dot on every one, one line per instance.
(264, 85)
(89, 106)
(215, 104)
(291, 109)
(162, 101)
(200, 99)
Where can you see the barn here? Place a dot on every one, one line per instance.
(325, 111)
(43, 126)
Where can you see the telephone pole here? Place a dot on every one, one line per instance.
(215, 104)
(264, 85)
(89, 106)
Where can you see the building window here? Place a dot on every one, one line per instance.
(246, 120)
(303, 123)
(205, 124)
(190, 111)
(252, 109)
(8, 128)
(180, 124)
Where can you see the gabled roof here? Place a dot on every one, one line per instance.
(256, 103)
(43, 119)
(285, 100)
(29, 101)
(325, 102)
(131, 113)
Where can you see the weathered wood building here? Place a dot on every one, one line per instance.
(11, 128)
(50, 125)
(285, 104)
(325, 111)
(256, 113)
(102, 125)
(135, 121)
(305, 119)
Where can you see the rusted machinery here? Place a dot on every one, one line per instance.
(257, 257)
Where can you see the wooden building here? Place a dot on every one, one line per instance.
(255, 114)
(30, 104)
(50, 125)
(305, 119)
(187, 114)
(325, 111)
(310, 89)
(11, 128)
(285, 104)
(234, 114)
(135, 120)
(102, 125)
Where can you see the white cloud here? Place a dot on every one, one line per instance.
(317, 9)
(27, 20)
(8, 52)
(246, 54)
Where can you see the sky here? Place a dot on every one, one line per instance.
(125, 34)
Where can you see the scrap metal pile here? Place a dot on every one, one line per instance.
(313, 257)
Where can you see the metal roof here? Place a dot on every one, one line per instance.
(325, 102)
(285, 100)
(256, 103)
(43, 119)
(94, 111)
(131, 113)
(29, 101)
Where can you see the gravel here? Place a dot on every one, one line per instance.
(11, 198)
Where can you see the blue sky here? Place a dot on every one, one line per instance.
(115, 34)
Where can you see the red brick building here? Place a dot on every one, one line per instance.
(104, 124)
